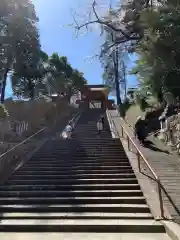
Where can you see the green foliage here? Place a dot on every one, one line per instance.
(3, 112)
(123, 108)
(141, 101)
(63, 77)
(52, 74)
(131, 94)
(33, 72)
(19, 40)
(151, 30)
(159, 50)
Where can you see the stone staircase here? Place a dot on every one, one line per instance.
(81, 185)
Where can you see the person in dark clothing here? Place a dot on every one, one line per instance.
(102, 120)
(99, 126)
(140, 130)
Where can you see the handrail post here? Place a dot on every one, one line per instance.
(122, 132)
(139, 161)
(160, 198)
(128, 142)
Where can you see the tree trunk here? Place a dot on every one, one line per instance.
(116, 71)
(116, 77)
(31, 86)
(3, 86)
(7, 69)
(69, 94)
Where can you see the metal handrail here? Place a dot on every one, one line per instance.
(76, 118)
(73, 120)
(21, 143)
(139, 157)
(29, 138)
(112, 125)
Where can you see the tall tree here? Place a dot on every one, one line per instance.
(46, 75)
(111, 59)
(64, 78)
(158, 67)
(76, 82)
(19, 38)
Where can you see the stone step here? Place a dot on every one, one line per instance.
(86, 153)
(80, 167)
(81, 156)
(75, 176)
(73, 200)
(88, 140)
(115, 225)
(89, 132)
(62, 164)
(74, 158)
(127, 208)
(74, 151)
(73, 171)
(97, 143)
(76, 142)
(94, 142)
(70, 187)
(102, 140)
(92, 125)
(92, 129)
(82, 236)
(75, 193)
(83, 152)
(79, 145)
(78, 161)
(80, 148)
(75, 145)
(70, 163)
(71, 215)
(71, 181)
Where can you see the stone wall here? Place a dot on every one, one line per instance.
(171, 135)
(27, 117)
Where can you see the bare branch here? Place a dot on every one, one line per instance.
(91, 58)
(86, 24)
(108, 24)
(94, 10)
(74, 19)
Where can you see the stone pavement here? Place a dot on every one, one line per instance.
(83, 236)
(165, 164)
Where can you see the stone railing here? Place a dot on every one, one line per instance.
(12, 128)
(171, 132)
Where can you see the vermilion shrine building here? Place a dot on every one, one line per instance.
(95, 96)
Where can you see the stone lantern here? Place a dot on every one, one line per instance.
(163, 120)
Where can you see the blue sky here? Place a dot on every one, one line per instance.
(56, 36)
